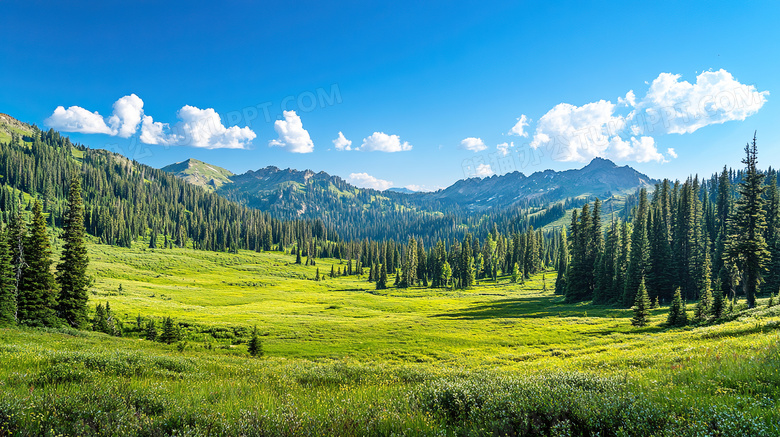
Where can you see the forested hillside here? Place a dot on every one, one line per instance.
(125, 199)
(710, 239)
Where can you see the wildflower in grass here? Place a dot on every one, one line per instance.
(641, 306)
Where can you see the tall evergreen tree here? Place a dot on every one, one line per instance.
(660, 277)
(722, 214)
(37, 298)
(7, 284)
(678, 315)
(638, 258)
(563, 264)
(72, 269)
(466, 263)
(641, 306)
(746, 246)
(772, 284)
(255, 346)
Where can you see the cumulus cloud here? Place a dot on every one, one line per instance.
(715, 98)
(473, 144)
(197, 127)
(578, 133)
(626, 131)
(484, 170)
(292, 135)
(381, 142)
(365, 180)
(342, 143)
(128, 111)
(503, 148)
(519, 127)
(124, 121)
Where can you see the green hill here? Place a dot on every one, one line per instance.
(200, 173)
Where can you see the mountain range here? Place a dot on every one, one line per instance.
(305, 192)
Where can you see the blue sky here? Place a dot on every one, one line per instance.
(418, 89)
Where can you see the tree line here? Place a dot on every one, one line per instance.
(718, 237)
(30, 294)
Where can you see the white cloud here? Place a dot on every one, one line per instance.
(365, 180)
(128, 111)
(473, 144)
(77, 119)
(642, 149)
(629, 100)
(292, 135)
(627, 131)
(484, 170)
(381, 142)
(681, 107)
(197, 127)
(518, 128)
(423, 188)
(578, 133)
(503, 148)
(342, 143)
(124, 121)
(153, 132)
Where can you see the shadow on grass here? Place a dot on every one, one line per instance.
(534, 307)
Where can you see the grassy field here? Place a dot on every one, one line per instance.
(343, 359)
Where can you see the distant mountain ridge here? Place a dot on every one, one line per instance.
(293, 192)
(600, 178)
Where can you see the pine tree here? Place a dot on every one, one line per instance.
(170, 332)
(772, 283)
(641, 306)
(563, 264)
(704, 305)
(718, 303)
(151, 331)
(638, 257)
(660, 278)
(16, 236)
(381, 284)
(466, 263)
(678, 315)
(317, 275)
(99, 321)
(746, 246)
(515, 273)
(722, 214)
(37, 298)
(72, 269)
(7, 284)
(255, 346)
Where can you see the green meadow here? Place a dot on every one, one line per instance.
(341, 358)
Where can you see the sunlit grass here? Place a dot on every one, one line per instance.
(344, 359)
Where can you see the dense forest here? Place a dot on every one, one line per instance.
(718, 237)
(713, 237)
